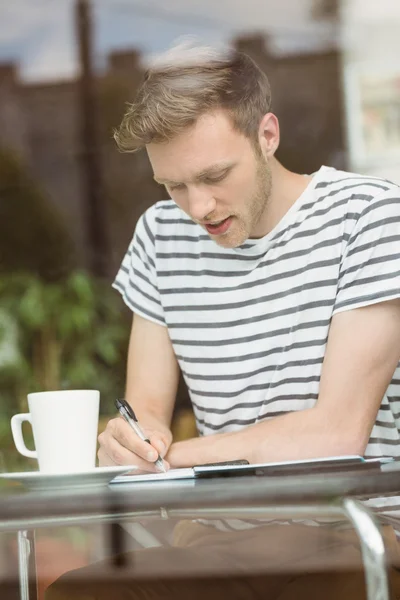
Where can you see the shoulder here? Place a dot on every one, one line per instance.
(354, 190)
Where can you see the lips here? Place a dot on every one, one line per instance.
(219, 228)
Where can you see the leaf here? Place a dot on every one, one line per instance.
(80, 284)
(81, 373)
(54, 297)
(108, 352)
(31, 308)
(10, 356)
(81, 318)
(65, 326)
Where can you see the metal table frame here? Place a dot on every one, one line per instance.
(368, 531)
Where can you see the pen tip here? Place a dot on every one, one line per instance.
(160, 465)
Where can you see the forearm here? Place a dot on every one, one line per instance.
(150, 415)
(295, 436)
(152, 374)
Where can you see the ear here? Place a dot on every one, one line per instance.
(269, 135)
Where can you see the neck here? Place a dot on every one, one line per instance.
(287, 187)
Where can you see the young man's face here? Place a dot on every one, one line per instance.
(215, 176)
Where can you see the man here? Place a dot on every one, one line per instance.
(276, 294)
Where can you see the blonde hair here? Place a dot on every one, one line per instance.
(188, 81)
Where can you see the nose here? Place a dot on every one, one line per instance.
(200, 202)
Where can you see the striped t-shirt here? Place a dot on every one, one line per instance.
(249, 325)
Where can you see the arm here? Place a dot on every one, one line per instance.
(152, 381)
(362, 353)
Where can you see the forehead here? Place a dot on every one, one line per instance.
(212, 140)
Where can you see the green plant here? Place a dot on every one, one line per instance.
(68, 334)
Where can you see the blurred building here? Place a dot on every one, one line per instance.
(41, 123)
(14, 126)
(338, 104)
(371, 73)
(307, 97)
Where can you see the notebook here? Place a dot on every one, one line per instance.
(243, 468)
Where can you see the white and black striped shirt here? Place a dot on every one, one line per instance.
(249, 325)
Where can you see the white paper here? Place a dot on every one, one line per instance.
(168, 476)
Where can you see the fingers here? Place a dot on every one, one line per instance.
(115, 454)
(159, 444)
(118, 454)
(120, 431)
(104, 459)
(119, 445)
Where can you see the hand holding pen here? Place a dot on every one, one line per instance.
(126, 411)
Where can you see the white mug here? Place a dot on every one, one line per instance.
(64, 425)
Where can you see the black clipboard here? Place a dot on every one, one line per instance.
(300, 467)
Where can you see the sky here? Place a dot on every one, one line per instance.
(40, 35)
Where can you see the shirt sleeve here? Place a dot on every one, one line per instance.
(136, 279)
(370, 269)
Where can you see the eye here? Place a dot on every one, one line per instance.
(216, 178)
(176, 187)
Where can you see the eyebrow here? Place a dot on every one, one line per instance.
(209, 171)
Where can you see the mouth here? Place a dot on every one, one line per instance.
(220, 227)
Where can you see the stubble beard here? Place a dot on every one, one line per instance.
(257, 206)
(261, 198)
(246, 222)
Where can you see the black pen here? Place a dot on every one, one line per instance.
(126, 411)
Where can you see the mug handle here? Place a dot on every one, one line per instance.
(16, 428)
